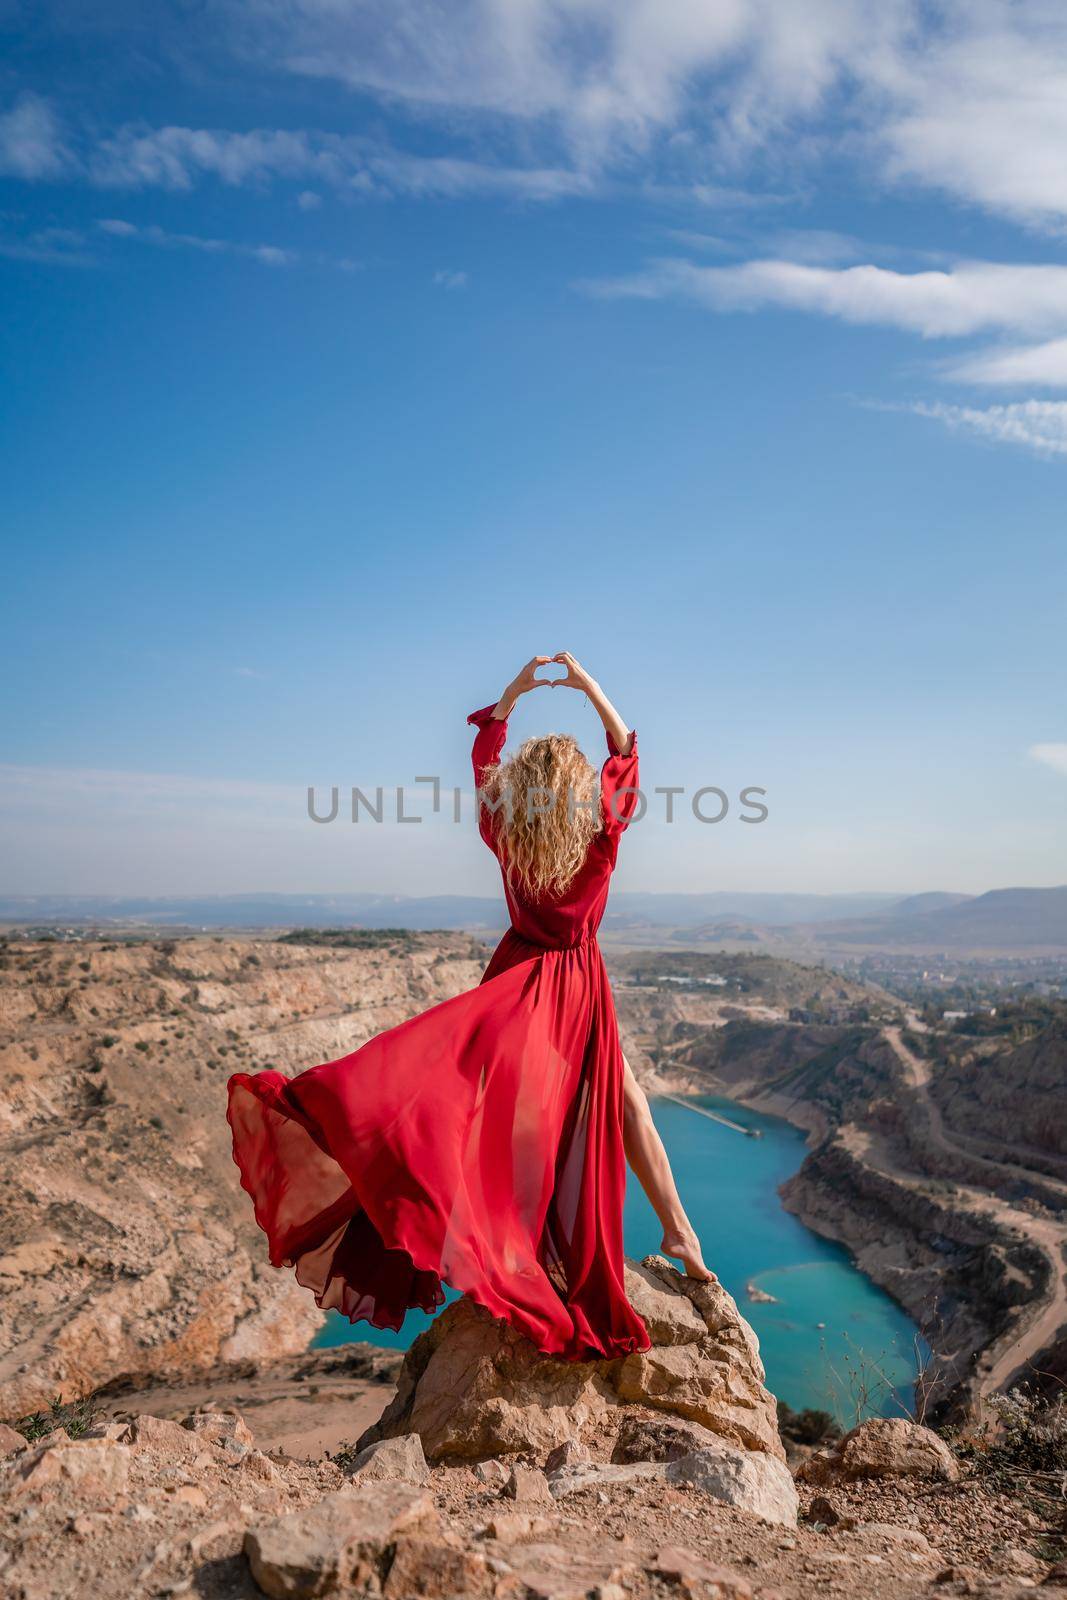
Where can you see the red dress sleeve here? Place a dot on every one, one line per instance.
(619, 787)
(488, 743)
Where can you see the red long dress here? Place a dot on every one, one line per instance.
(479, 1144)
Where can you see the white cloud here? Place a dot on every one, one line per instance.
(31, 141)
(980, 108)
(308, 200)
(450, 280)
(270, 255)
(1043, 366)
(967, 96)
(972, 297)
(1050, 755)
(1037, 425)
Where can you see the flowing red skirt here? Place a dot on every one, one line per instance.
(478, 1145)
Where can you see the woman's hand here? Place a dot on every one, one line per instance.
(525, 680)
(522, 683)
(577, 677)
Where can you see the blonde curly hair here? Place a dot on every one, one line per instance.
(547, 797)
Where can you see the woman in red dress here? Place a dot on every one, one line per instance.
(483, 1144)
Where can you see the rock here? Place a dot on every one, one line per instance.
(891, 1533)
(528, 1487)
(86, 1468)
(338, 1543)
(824, 1511)
(392, 1458)
(169, 1439)
(694, 1576)
(11, 1443)
(254, 1464)
(601, 1475)
(642, 1438)
(109, 1430)
(190, 1494)
(508, 1526)
(440, 1567)
(569, 1454)
(750, 1480)
(218, 1426)
(471, 1386)
(887, 1447)
(549, 1572)
(494, 1473)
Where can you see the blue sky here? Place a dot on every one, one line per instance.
(355, 352)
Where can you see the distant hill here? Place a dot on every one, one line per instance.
(431, 911)
(1002, 919)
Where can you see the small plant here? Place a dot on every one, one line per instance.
(142, 1045)
(76, 1418)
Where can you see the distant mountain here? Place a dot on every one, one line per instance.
(933, 900)
(258, 911)
(431, 911)
(1002, 919)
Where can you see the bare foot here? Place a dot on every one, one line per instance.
(685, 1247)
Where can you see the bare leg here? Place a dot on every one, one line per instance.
(646, 1155)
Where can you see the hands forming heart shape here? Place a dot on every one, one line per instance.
(575, 676)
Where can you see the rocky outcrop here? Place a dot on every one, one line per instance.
(887, 1447)
(472, 1387)
(129, 1252)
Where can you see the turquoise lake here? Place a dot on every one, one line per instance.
(830, 1334)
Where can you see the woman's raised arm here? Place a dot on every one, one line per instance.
(577, 678)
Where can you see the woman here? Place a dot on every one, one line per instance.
(482, 1144)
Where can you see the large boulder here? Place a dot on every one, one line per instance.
(886, 1447)
(473, 1387)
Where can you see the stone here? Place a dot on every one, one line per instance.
(886, 1447)
(642, 1438)
(602, 1475)
(507, 1526)
(11, 1443)
(528, 1487)
(86, 1468)
(217, 1426)
(392, 1458)
(549, 1572)
(437, 1567)
(254, 1464)
(473, 1387)
(749, 1480)
(696, 1577)
(824, 1511)
(569, 1454)
(168, 1439)
(891, 1533)
(494, 1473)
(190, 1494)
(340, 1541)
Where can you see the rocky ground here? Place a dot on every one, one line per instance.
(498, 1473)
